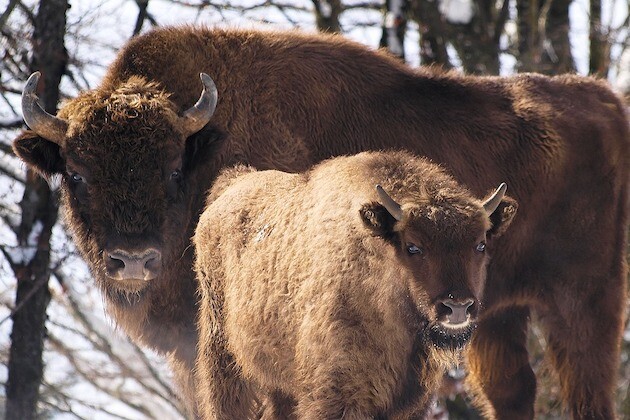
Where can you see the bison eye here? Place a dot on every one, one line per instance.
(413, 249)
(481, 247)
(76, 178)
(176, 174)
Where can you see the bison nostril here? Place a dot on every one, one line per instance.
(122, 265)
(152, 264)
(113, 265)
(455, 311)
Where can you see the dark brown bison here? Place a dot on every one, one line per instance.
(323, 288)
(134, 179)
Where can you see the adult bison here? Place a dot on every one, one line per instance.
(350, 300)
(134, 176)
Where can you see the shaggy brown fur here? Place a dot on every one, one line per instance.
(287, 100)
(309, 290)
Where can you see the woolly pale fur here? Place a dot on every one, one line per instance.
(287, 100)
(311, 300)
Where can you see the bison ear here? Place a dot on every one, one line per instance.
(377, 219)
(43, 155)
(201, 146)
(502, 217)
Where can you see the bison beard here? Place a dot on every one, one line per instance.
(448, 338)
(289, 100)
(123, 298)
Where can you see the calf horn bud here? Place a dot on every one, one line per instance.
(197, 116)
(390, 205)
(491, 204)
(41, 122)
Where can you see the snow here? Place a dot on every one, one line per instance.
(457, 11)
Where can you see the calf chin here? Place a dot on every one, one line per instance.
(449, 338)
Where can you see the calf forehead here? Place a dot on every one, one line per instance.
(448, 224)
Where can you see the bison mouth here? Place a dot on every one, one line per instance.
(126, 296)
(449, 337)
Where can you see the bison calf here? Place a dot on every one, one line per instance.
(322, 290)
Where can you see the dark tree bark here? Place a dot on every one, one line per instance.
(557, 57)
(599, 60)
(39, 213)
(543, 36)
(142, 15)
(394, 27)
(476, 41)
(527, 29)
(327, 15)
(434, 33)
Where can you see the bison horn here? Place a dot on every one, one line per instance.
(200, 113)
(390, 205)
(41, 122)
(491, 204)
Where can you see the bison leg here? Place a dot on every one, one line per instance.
(278, 405)
(222, 392)
(584, 330)
(499, 372)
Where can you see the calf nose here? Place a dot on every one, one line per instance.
(456, 311)
(144, 265)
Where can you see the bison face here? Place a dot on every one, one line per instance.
(443, 243)
(126, 159)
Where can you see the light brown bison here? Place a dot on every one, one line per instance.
(323, 288)
(134, 180)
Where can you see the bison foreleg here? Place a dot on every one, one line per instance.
(499, 372)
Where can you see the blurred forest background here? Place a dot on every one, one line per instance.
(60, 356)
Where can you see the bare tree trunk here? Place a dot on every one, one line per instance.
(142, 15)
(557, 57)
(477, 42)
(543, 36)
(527, 29)
(394, 27)
(327, 15)
(433, 32)
(599, 60)
(39, 214)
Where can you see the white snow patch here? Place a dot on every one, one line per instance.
(457, 11)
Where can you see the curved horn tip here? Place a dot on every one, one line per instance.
(36, 118)
(491, 204)
(209, 86)
(31, 82)
(388, 202)
(207, 80)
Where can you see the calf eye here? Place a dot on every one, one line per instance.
(481, 247)
(413, 249)
(176, 174)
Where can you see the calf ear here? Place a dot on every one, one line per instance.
(201, 147)
(43, 155)
(377, 219)
(502, 217)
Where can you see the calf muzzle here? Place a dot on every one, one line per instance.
(455, 313)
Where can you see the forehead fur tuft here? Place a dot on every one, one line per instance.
(136, 99)
(448, 218)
